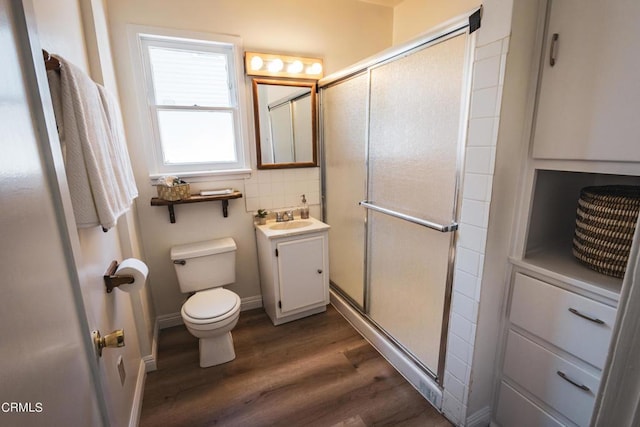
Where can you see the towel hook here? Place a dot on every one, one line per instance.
(50, 62)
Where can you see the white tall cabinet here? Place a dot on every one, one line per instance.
(590, 91)
(560, 314)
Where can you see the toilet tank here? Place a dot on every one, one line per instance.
(205, 265)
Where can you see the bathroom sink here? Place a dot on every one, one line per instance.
(276, 230)
(290, 225)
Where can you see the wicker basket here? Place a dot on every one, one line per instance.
(605, 222)
(176, 192)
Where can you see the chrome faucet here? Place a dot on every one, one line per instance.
(284, 216)
(288, 215)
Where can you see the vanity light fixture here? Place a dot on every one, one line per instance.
(271, 65)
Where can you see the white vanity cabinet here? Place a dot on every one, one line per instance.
(294, 269)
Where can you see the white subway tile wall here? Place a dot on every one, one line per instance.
(488, 78)
(474, 212)
(281, 188)
(457, 367)
(484, 75)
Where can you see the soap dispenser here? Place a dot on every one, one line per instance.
(304, 209)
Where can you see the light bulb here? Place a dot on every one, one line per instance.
(256, 63)
(275, 65)
(295, 67)
(315, 68)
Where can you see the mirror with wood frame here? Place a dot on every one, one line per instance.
(285, 121)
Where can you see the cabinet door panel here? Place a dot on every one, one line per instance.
(589, 100)
(302, 270)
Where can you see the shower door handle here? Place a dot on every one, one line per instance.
(444, 228)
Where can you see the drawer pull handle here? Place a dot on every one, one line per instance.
(584, 316)
(566, 378)
(553, 51)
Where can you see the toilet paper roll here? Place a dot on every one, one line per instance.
(136, 268)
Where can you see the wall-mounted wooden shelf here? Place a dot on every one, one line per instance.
(196, 198)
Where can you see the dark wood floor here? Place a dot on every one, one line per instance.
(316, 371)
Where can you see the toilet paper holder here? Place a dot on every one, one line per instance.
(111, 280)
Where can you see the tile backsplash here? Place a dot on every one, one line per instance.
(281, 188)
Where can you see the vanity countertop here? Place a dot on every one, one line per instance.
(273, 229)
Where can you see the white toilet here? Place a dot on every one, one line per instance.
(212, 312)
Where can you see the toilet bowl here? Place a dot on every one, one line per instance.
(212, 311)
(210, 316)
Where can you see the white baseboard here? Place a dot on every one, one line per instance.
(423, 383)
(480, 418)
(136, 407)
(175, 319)
(150, 360)
(249, 303)
(150, 363)
(165, 321)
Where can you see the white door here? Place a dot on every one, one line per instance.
(48, 374)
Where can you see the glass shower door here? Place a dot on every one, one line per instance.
(393, 141)
(414, 155)
(345, 109)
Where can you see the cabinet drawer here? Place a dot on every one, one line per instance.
(515, 410)
(548, 377)
(555, 315)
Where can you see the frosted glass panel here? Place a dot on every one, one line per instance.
(392, 136)
(414, 143)
(407, 283)
(344, 127)
(414, 134)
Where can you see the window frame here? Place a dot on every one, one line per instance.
(140, 38)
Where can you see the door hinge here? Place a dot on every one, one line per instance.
(276, 251)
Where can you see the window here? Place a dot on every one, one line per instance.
(192, 98)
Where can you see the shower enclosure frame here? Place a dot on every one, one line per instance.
(455, 27)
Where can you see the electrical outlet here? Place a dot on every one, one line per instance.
(121, 370)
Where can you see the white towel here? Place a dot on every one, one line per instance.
(118, 146)
(96, 162)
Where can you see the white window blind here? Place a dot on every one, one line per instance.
(189, 78)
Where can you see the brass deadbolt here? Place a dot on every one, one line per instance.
(114, 339)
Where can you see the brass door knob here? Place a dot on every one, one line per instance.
(114, 339)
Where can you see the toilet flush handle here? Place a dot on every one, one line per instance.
(180, 261)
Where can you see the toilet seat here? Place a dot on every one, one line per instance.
(211, 306)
